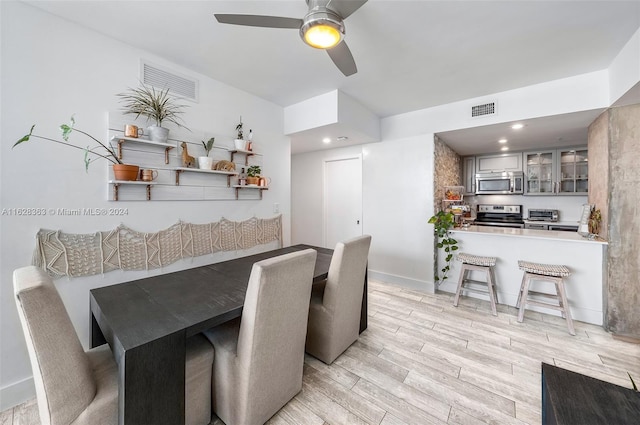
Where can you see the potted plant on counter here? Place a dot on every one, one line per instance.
(204, 162)
(121, 170)
(155, 105)
(253, 175)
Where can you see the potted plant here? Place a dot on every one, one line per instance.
(121, 171)
(253, 175)
(239, 141)
(442, 223)
(155, 105)
(204, 162)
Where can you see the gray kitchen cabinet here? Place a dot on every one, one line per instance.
(499, 162)
(556, 172)
(573, 171)
(469, 175)
(540, 172)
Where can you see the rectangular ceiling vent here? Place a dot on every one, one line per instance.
(483, 110)
(178, 85)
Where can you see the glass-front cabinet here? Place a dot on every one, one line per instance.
(573, 172)
(540, 172)
(557, 172)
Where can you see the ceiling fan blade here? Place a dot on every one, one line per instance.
(342, 57)
(259, 21)
(345, 7)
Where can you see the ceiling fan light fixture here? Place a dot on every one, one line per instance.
(322, 36)
(322, 29)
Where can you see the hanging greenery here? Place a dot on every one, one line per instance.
(443, 222)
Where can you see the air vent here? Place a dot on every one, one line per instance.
(178, 85)
(483, 110)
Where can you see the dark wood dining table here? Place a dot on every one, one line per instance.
(146, 322)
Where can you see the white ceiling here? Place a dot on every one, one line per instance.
(410, 54)
(553, 131)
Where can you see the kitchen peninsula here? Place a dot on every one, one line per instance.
(585, 258)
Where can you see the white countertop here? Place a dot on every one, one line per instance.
(528, 233)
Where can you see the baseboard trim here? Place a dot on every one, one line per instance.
(17, 393)
(407, 282)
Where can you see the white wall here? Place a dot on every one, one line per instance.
(580, 93)
(325, 111)
(52, 69)
(396, 202)
(624, 71)
(307, 187)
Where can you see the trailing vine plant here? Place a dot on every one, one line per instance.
(443, 222)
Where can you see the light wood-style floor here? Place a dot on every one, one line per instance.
(423, 361)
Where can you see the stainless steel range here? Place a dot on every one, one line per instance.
(500, 216)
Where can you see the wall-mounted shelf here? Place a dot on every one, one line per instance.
(121, 139)
(174, 181)
(118, 183)
(247, 154)
(198, 170)
(250, 187)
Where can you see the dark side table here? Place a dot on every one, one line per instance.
(570, 398)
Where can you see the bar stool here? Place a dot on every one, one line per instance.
(546, 272)
(477, 263)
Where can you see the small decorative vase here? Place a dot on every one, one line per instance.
(240, 144)
(125, 172)
(205, 163)
(158, 134)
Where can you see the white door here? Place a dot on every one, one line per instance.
(342, 200)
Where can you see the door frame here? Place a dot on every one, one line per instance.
(325, 194)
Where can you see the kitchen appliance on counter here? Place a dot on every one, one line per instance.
(505, 183)
(543, 215)
(500, 216)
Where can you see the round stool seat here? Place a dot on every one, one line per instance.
(476, 260)
(544, 269)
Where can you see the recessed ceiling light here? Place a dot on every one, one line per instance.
(504, 148)
(502, 141)
(326, 140)
(517, 126)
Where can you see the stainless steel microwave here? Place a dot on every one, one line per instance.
(505, 183)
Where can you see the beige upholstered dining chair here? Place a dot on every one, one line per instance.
(260, 356)
(78, 387)
(334, 314)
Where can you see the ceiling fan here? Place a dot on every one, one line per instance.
(322, 27)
